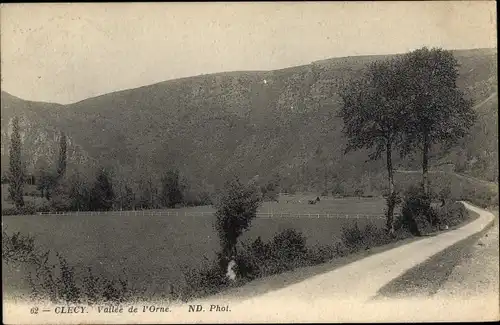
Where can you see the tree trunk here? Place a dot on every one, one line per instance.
(391, 200)
(425, 164)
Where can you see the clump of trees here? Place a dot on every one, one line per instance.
(74, 192)
(406, 103)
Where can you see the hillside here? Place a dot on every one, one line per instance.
(248, 123)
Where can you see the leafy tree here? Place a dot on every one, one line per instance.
(102, 194)
(16, 172)
(124, 195)
(44, 180)
(236, 207)
(125, 199)
(148, 196)
(438, 111)
(61, 163)
(128, 198)
(79, 193)
(60, 199)
(58, 187)
(171, 192)
(46, 184)
(373, 113)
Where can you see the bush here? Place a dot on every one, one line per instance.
(288, 244)
(207, 280)
(285, 251)
(351, 235)
(322, 253)
(17, 247)
(355, 239)
(60, 282)
(27, 209)
(451, 214)
(417, 216)
(252, 258)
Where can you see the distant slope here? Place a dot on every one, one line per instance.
(248, 123)
(41, 124)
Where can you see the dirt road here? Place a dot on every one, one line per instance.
(346, 294)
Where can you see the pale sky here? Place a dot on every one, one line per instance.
(68, 52)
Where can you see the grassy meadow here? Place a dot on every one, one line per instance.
(153, 251)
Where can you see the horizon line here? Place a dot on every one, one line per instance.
(234, 71)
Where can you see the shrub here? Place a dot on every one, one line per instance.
(417, 216)
(451, 214)
(60, 282)
(17, 247)
(322, 253)
(288, 244)
(351, 236)
(207, 280)
(251, 259)
(285, 251)
(354, 239)
(65, 284)
(27, 209)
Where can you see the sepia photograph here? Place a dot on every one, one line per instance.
(249, 162)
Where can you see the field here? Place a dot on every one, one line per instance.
(155, 250)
